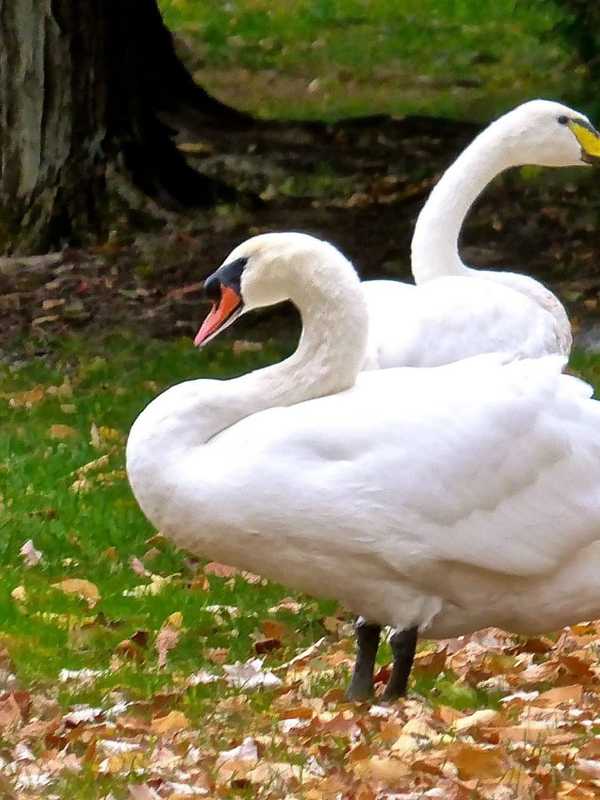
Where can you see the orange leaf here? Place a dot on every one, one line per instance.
(477, 762)
(273, 629)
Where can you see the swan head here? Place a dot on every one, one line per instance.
(550, 134)
(269, 269)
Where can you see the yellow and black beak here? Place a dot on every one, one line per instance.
(588, 138)
(223, 287)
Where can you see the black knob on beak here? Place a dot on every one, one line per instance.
(212, 288)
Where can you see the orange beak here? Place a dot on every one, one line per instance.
(220, 315)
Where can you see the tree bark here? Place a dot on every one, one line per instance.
(52, 121)
(83, 83)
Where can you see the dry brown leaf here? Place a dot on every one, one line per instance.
(266, 772)
(168, 638)
(262, 646)
(218, 655)
(390, 771)
(560, 695)
(273, 629)
(142, 792)
(474, 761)
(27, 399)
(173, 722)
(485, 716)
(84, 589)
(237, 762)
(19, 594)
(220, 570)
(10, 712)
(60, 431)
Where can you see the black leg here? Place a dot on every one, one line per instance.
(403, 644)
(367, 637)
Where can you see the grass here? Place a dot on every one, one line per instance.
(72, 528)
(332, 58)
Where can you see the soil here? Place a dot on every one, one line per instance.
(359, 184)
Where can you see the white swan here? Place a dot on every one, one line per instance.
(454, 311)
(443, 499)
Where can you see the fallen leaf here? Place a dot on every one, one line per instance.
(250, 675)
(220, 570)
(273, 629)
(390, 771)
(142, 792)
(266, 645)
(474, 761)
(19, 594)
(84, 589)
(27, 399)
(238, 761)
(31, 556)
(60, 431)
(168, 638)
(173, 722)
(138, 567)
(10, 712)
(560, 695)
(267, 772)
(485, 716)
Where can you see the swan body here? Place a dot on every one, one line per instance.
(503, 310)
(448, 498)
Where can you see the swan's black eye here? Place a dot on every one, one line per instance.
(563, 119)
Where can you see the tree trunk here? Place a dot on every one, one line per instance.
(82, 83)
(52, 121)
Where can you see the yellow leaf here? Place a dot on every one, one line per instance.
(87, 590)
(62, 432)
(175, 620)
(173, 722)
(123, 762)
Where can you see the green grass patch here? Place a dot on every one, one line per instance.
(328, 58)
(95, 393)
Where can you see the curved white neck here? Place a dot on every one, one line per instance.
(434, 248)
(328, 358)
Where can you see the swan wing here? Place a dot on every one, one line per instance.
(495, 467)
(455, 317)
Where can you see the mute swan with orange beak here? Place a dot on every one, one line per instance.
(439, 500)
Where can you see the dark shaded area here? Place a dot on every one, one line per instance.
(149, 85)
(359, 185)
(580, 26)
